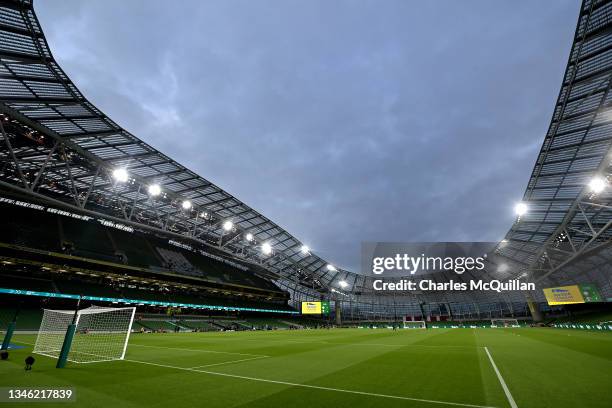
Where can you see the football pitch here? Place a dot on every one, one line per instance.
(522, 367)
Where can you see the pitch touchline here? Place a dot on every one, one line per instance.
(200, 351)
(370, 394)
(501, 381)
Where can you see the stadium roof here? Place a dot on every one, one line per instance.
(566, 220)
(57, 146)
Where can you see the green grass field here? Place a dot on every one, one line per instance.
(338, 368)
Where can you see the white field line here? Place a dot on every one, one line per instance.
(369, 394)
(501, 381)
(304, 342)
(195, 369)
(363, 344)
(187, 349)
(230, 362)
(200, 350)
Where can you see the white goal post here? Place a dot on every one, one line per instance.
(504, 323)
(415, 324)
(102, 333)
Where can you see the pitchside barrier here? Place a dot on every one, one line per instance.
(585, 326)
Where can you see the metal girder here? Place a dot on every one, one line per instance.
(570, 131)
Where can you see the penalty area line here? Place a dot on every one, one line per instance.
(316, 387)
(501, 380)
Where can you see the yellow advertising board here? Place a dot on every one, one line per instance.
(563, 295)
(311, 307)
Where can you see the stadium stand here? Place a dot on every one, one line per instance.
(67, 238)
(265, 323)
(175, 261)
(30, 228)
(72, 225)
(198, 325)
(86, 240)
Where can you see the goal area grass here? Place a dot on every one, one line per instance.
(511, 367)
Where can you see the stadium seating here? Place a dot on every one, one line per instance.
(13, 281)
(263, 323)
(91, 289)
(588, 317)
(28, 319)
(157, 325)
(103, 288)
(40, 230)
(87, 239)
(198, 325)
(138, 250)
(61, 233)
(176, 261)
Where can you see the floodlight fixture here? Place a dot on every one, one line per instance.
(520, 209)
(154, 190)
(502, 268)
(186, 204)
(597, 184)
(121, 175)
(266, 248)
(228, 225)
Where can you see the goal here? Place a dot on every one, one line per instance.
(417, 324)
(504, 323)
(101, 334)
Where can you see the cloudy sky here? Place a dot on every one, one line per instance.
(342, 121)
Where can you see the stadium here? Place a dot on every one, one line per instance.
(129, 280)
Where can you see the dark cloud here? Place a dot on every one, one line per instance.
(342, 121)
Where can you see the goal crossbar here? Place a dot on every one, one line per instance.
(504, 322)
(414, 324)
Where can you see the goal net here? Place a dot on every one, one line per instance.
(102, 333)
(504, 323)
(418, 324)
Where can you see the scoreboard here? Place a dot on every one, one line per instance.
(568, 295)
(317, 307)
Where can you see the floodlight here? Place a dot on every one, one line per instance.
(154, 190)
(305, 249)
(597, 184)
(228, 225)
(520, 209)
(331, 267)
(186, 204)
(503, 268)
(343, 284)
(120, 175)
(266, 248)
(249, 237)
